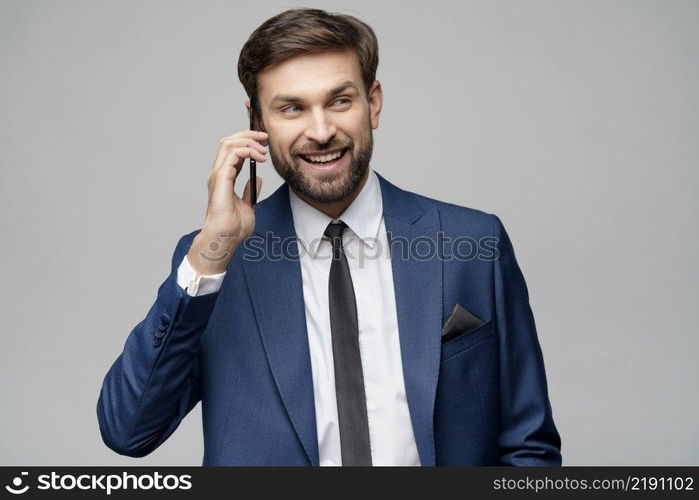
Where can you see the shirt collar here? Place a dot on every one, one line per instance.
(362, 216)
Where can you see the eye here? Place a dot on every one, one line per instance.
(290, 109)
(342, 101)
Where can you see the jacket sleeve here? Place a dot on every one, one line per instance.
(154, 382)
(528, 435)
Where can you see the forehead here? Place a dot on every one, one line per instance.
(310, 74)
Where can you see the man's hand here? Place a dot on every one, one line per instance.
(229, 219)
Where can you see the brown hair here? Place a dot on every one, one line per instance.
(297, 32)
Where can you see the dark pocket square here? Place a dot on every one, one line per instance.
(460, 321)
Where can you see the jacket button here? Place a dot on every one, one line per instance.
(159, 334)
(162, 327)
(157, 342)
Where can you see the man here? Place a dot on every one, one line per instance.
(330, 324)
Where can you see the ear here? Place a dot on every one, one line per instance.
(375, 99)
(247, 108)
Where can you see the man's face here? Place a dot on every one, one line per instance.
(319, 120)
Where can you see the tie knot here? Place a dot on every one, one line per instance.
(335, 230)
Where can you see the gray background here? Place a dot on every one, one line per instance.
(574, 121)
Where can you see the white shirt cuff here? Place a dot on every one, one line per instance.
(207, 283)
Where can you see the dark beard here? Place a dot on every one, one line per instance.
(357, 170)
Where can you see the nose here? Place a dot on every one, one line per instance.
(320, 128)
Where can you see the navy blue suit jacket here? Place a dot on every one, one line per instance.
(480, 398)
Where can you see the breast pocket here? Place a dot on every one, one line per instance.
(467, 340)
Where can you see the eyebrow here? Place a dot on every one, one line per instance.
(336, 90)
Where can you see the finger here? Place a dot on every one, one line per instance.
(234, 144)
(248, 138)
(243, 141)
(224, 178)
(246, 191)
(254, 134)
(249, 134)
(234, 161)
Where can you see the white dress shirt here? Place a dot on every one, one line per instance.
(366, 246)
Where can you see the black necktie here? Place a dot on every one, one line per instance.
(349, 379)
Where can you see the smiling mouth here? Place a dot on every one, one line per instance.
(325, 160)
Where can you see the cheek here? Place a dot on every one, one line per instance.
(279, 147)
(355, 123)
(284, 138)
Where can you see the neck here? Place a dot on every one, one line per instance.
(336, 208)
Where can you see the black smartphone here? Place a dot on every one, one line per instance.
(253, 164)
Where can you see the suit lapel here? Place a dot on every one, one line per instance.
(276, 292)
(417, 280)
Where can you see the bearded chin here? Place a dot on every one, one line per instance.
(332, 188)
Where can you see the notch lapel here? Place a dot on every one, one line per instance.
(276, 291)
(413, 232)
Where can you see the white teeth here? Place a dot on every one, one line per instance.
(324, 158)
